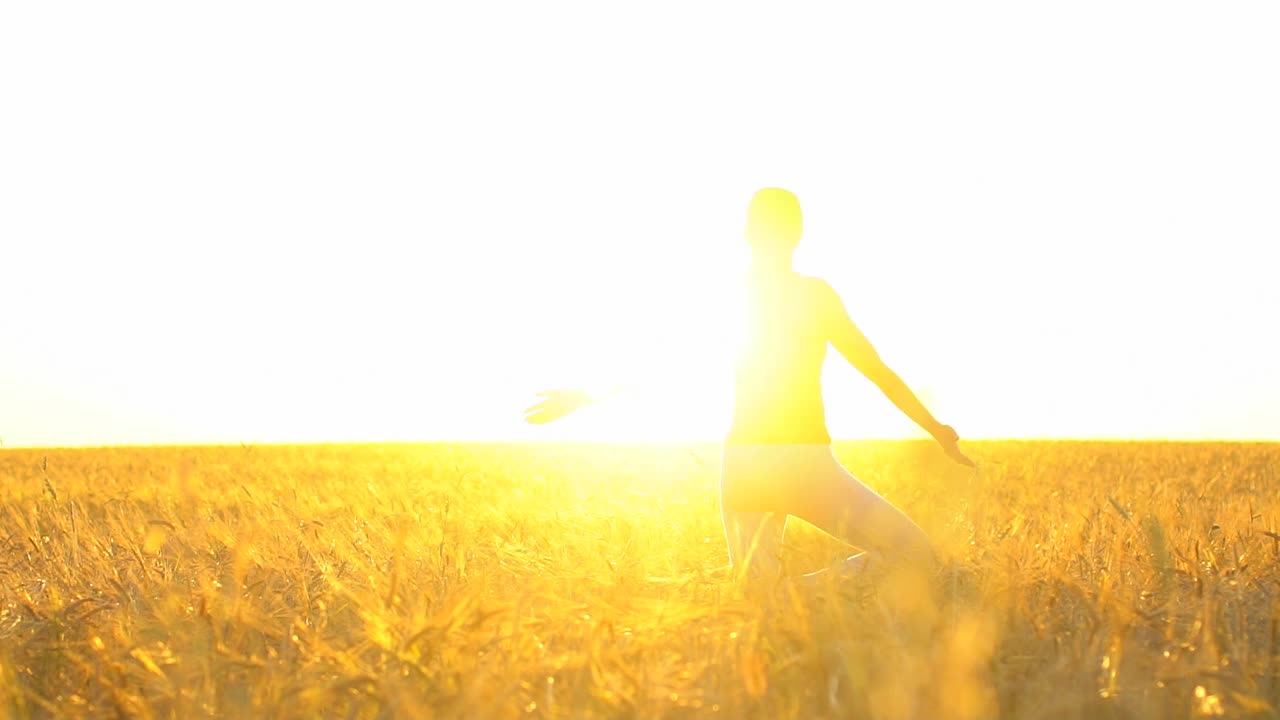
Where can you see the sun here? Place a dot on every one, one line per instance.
(668, 346)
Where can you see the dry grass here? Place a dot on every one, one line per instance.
(1087, 581)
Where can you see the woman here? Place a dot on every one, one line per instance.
(777, 456)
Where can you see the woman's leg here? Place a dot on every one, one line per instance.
(755, 542)
(762, 484)
(753, 523)
(842, 506)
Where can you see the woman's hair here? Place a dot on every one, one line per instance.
(774, 221)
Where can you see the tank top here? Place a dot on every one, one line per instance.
(778, 370)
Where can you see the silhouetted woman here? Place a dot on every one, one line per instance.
(777, 456)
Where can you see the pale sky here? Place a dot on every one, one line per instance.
(293, 222)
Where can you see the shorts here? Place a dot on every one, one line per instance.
(797, 480)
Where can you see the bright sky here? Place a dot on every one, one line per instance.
(260, 222)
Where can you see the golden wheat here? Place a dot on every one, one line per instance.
(1083, 580)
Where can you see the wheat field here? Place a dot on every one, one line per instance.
(1081, 580)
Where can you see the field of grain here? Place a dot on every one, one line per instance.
(1083, 580)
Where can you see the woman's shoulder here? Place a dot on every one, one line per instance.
(815, 286)
(820, 297)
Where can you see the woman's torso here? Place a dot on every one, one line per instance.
(777, 375)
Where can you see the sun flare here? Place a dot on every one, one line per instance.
(668, 344)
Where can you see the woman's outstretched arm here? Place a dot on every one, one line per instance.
(555, 404)
(857, 349)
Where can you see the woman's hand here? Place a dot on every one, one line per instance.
(555, 404)
(949, 439)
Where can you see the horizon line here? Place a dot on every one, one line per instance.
(639, 441)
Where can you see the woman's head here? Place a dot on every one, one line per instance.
(774, 222)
